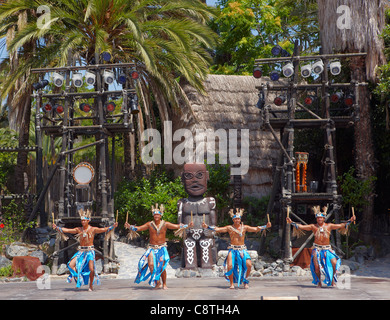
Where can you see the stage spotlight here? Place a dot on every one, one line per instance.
(85, 107)
(285, 53)
(257, 73)
(108, 76)
(288, 70)
(58, 79)
(306, 70)
(90, 78)
(280, 100)
(110, 106)
(47, 107)
(59, 108)
(261, 103)
(77, 79)
(274, 75)
(335, 68)
(134, 74)
(122, 78)
(336, 97)
(276, 50)
(41, 84)
(349, 100)
(309, 100)
(134, 104)
(318, 67)
(106, 56)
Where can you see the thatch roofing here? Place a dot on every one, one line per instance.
(230, 103)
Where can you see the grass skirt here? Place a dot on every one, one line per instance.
(160, 262)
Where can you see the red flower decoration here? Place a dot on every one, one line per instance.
(1, 225)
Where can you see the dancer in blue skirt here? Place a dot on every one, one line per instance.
(238, 262)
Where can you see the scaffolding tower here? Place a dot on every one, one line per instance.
(64, 123)
(289, 114)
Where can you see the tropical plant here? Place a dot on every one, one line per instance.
(165, 39)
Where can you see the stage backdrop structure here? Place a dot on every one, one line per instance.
(56, 117)
(325, 105)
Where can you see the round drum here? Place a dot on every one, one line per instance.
(83, 173)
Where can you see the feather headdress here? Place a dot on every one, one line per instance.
(238, 214)
(85, 214)
(157, 210)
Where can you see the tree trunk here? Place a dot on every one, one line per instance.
(365, 162)
(21, 162)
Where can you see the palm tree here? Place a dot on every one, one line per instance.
(165, 39)
(362, 35)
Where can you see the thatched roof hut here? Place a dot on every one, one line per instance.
(230, 103)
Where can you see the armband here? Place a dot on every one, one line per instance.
(183, 226)
(348, 223)
(133, 228)
(212, 228)
(262, 227)
(110, 228)
(59, 229)
(295, 225)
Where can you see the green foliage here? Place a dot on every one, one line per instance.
(137, 198)
(13, 223)
(354, 190)
(6, 271)
(248, 30)
(8, 138)
(218, 185)
(256, 209)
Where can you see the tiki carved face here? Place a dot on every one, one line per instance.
(194, 177)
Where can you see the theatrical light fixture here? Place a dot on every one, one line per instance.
(288, 70)
(47, 107)
(77, 79)
(309, 100)
(306, 70)
(335, 67)
(261, 103)
(110, 106)
(274, 75)
(285, 53)
(122, 78)
(134, 104)
(134, 74)
(41, 84)
(336, 97)
(276, 50)
(106, 56)
(58, 79)
(257, 73)
(318, 67)
(349, 100)
(108, 76)
(59, 108)
(280, 100)
(85, 107)
(90, 78)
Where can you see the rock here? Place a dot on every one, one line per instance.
(40, 255)
(16, 250)
(4, 262)
(353, 265)
(268, 270)
(258, 265)
(286, 268)
(63, 269)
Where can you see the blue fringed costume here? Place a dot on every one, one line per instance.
(324, 255)
(81, 276)
(239, 256)
(160, 262)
